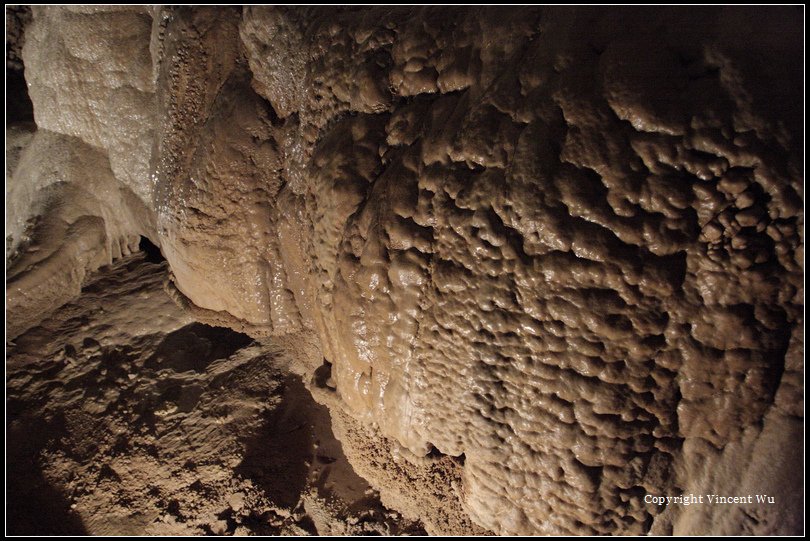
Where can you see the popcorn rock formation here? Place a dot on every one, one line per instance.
(552, 258)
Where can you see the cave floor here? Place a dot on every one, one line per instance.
(124, 416)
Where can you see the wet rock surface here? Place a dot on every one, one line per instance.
(550, 259)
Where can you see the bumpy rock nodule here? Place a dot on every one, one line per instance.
(553, 257)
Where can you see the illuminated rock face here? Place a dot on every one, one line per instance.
(553, 258)
(77, 194)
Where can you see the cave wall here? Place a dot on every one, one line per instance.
(553, 257)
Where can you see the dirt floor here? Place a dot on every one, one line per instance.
(126, 417)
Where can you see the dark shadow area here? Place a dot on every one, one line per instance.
(277, 457)
(195, 346)
(322, 377)
(33, 505)
(295, 450)
(18, 104)
(153, 253)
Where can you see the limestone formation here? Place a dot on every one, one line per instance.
(549, 260)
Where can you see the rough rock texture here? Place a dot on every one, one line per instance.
(121, 424)
(217, 174)
(72, 215)
(90, 76)
(552, 257)
(77, 194)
